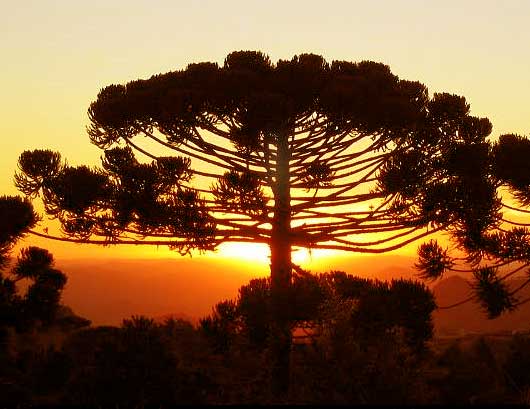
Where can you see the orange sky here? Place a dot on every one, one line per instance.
(56, 55)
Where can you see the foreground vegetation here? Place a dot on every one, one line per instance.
(355, 342)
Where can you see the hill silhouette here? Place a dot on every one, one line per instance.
(107, 291)
(469, 317)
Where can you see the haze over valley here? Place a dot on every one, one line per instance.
(107, 291)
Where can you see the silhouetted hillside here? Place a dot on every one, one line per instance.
(107, 291)
(383, 267)
(469, 317)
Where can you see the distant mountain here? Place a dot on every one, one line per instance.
(107, 291)
(383, 267)
(469, 317)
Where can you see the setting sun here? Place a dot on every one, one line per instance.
(260, 253)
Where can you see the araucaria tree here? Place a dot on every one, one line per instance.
(22, 310)
(300, 153)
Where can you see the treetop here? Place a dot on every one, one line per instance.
(253, 96)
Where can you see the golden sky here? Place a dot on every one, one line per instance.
(56, 55)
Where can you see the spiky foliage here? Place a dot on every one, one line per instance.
(433, 260)
(493, 294)
(16, 218)
(38, 304)
(491, 240)
(512, 166)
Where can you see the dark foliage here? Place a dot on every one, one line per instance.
(39, 304)
(241, 192)
(136, 364)
(517, 364)
(489, 239)
(380, 308)
(433, 260)
(25, 373)
(172, 363)
(511, 164)
(493, 293)
(40, 301)
(16, 218)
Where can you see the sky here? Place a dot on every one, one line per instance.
(57, 55)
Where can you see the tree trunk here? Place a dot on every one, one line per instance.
(281, 273)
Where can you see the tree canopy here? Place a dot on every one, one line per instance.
(363, 161)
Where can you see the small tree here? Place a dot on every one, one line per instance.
(375, 309)
(22, 311)
(17, 216)
(41, 299)
(301, 153)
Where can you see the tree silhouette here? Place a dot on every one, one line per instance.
(21, 311)
(17, 217)
(40, 301)
(301, 153)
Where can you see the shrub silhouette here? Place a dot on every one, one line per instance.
(136, 364)
(378, 308)
(516, 366)
(472, 375)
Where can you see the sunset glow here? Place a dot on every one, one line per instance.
(246, 252)
(260, 253)
(282, 202)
